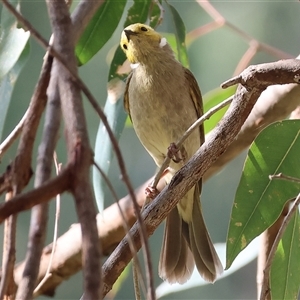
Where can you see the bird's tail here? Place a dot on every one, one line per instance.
(187, 244)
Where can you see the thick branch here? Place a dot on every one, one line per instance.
(185, 178)
(274, 104)
(39, 213)
(79, 151)
(157, 211)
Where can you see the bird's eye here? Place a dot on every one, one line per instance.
(125, 46)
(144, 28)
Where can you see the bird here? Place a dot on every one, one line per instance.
(163, 100)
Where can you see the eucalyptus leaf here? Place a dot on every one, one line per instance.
(179, 31)
(7, 84)
(99, 30)
(155, 14)
(285, 270)
(259, 201)
(12, 41)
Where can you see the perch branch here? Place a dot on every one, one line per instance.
(274, 104)
(190, 130)
(215, 145)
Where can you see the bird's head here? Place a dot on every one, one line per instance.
(140, 42)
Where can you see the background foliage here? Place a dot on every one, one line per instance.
(213, 59)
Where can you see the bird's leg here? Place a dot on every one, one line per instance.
(150, 191)
(176, 154)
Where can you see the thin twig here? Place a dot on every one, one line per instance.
(221, 21)
(210, 9)
(265, 287)
(247, 57)
(202, 30)
(135, 275)
(284, 177)
(189, 131)
(125, 225)
(39, 213)
(5, 145)
(55, 230)
(9, 254)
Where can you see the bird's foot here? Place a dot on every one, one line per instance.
(175, 153)
(151, 192)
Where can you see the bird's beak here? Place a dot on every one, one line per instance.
(129, 33)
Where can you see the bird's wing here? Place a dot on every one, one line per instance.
(196, 98)
(198, 103)
(126, 95)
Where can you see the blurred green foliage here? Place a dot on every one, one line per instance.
(213, 59)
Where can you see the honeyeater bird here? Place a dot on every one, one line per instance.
(163, 99)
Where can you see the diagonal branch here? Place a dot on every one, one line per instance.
(215, 145)
(274, 104)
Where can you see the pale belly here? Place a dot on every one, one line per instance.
(162, 119)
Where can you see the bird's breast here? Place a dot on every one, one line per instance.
(161, 111)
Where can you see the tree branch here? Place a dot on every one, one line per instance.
(215, 145)
(67, 257)
(79, 151)
(39, 195)
(39, 213)
(274, 104)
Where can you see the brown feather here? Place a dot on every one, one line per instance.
(126, 96)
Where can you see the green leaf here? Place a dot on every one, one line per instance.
(12, 42)
(259, 201)
(180, 36)
(213, 98)
(7, 18)
(285, 270)
(116, 117)
(138, 12)
(7, 84)
(99, 30)
(155, 14)
(114, 109)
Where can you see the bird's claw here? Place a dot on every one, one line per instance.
(175, 153)
(151, 192)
